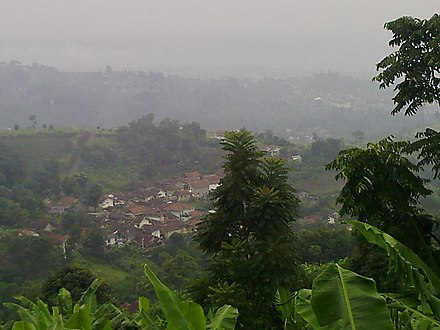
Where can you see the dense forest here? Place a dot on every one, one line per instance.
(262, 257)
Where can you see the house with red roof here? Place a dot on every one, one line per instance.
(195, 175)
(183, 195)
(179, 210)
(199, 188)
(64, 204)
(175, 226)
(137, 209)
(214, 181)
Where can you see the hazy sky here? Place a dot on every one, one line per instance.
(298, 36)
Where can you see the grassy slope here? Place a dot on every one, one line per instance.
(37, 147)
(119, 176)
(111, 275)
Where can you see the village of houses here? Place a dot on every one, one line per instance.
(145, 217)
(154, 213)
(149, 216)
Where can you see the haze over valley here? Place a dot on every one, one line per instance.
(293, 67)
(327, 104)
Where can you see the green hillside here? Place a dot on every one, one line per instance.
(35, 148)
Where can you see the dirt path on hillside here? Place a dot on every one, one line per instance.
(76, 160)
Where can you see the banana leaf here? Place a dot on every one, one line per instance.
(342, 299)
(224, 319)
(180, 315)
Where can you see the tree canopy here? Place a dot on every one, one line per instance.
(249, 234)
(382, 186)
(415, 64)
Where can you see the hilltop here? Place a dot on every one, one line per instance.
(327, 103)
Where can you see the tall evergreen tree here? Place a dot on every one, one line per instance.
(235, 193)
(249, 235)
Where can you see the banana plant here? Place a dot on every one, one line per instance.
(187, 315)
(143, 319)
(224, 318)
(295, 309)
(424, 312)
(339, 299)
(88, 315)
(85, 314)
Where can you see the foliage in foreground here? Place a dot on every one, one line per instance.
(342, 299)
(424, 310)
(339, 299)
(85, 314)
(88, 314)
(382, 188)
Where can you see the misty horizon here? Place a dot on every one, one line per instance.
(281, 38)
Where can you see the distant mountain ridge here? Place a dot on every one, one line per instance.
(327, 104)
